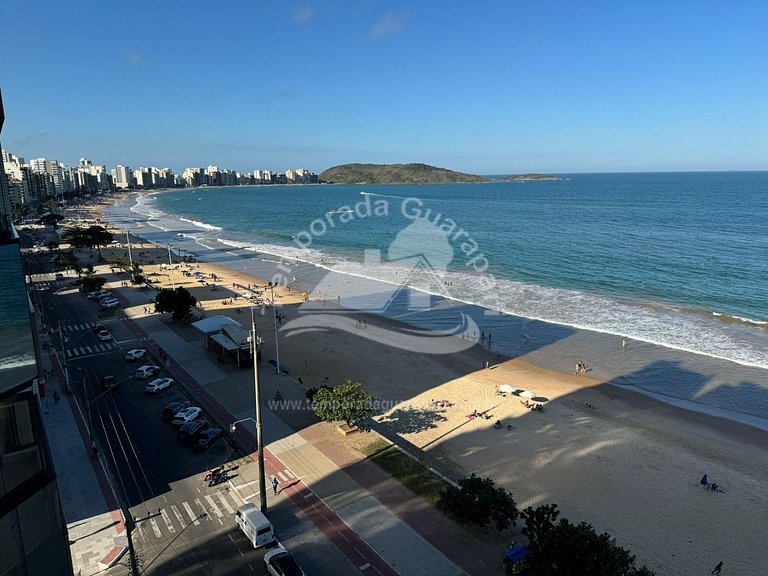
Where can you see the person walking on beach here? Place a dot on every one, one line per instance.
(718, 568)
(275, 484)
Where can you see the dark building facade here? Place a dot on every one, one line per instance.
(33, 533)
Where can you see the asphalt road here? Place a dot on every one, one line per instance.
(183, 526)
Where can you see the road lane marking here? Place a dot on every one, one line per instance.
(155, 528)
(167, 520)
(283, 478)
(201, 507)
(213, 505)
(224, 503)
(178, 516)
(190, 513)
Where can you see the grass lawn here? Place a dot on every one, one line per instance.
(413, 474)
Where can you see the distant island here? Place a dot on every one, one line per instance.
(394, 174)
(528, 178)
(412, 174)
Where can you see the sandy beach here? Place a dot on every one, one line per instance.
(624, 462)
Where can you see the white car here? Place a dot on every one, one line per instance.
(158, 385)
(279, 562)
(95, 294)
(146, 372)
(104, 335)
(109, 304)
(135, 354)
(186, 415)
(104, 295)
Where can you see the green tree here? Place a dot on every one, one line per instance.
(118, 262)
(178, 301)
(348, 402)
(89, 269)
(76, 237)
(91, 283)
(50, 219)
(20, 211)
(137, 274)
(560, 548)
(98, 236)
(478, 501)
(310, 394)
(66, 260)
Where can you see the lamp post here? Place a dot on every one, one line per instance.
(259, 434)
(170, 263)
(274, 321)
(130, 256)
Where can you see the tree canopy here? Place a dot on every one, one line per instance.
(178, 301)
(479, 501)
(91, 283)
(50, 219)
(560, 548)
(347, 402)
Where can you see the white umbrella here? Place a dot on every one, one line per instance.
(528, 394)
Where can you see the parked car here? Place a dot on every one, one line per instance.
(104, 335)
(93, 295)
(98, 328)
(280, 562)
(172, 408)
(135, 354)
(158, 385)
(206, 438)
(189, 432)
(109, 304)
(145, 372)
(186, 415)
(104, 294)
(59, 276)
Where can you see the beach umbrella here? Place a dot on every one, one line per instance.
(528, 394)
(540, 399)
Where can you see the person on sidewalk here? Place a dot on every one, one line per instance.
(718, 568)
(275, 484)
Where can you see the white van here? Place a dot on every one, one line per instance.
(254, 525)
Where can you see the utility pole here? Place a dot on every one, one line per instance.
(130, 256)
(259, 435)
(274, 321)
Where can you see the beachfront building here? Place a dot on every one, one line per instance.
(123, 177)
(33, 534)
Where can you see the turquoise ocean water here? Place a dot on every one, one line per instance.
(677, 263)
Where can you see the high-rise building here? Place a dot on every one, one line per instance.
(123, 177)
(33, 534)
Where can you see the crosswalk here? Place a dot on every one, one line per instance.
(78, 327)
(90, 350)
(218, 506)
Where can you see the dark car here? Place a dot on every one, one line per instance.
(190, 431)
(171, 409)
(206, 438)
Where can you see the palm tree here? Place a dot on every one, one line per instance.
(98, 236)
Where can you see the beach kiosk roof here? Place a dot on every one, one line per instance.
(213, 324)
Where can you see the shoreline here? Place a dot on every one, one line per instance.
(591, 450)
(654, 362)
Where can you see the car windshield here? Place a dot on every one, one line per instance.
(287, 564)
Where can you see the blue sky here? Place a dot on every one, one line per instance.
(492, 88)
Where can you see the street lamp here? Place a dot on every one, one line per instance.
(274, 321)
(170, 263)
(130, 256)
(259, 434)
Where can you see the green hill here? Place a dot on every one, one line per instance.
(394, 174)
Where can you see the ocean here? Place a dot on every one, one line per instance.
(675, 264)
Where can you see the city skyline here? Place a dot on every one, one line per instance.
(502, 88)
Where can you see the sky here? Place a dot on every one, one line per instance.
(493, 87)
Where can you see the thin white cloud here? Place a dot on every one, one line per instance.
(303, 15)
(387, 25)
(288, 94)
(134, 56)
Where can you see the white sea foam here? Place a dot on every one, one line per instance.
(201, 224)
(741, 340)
